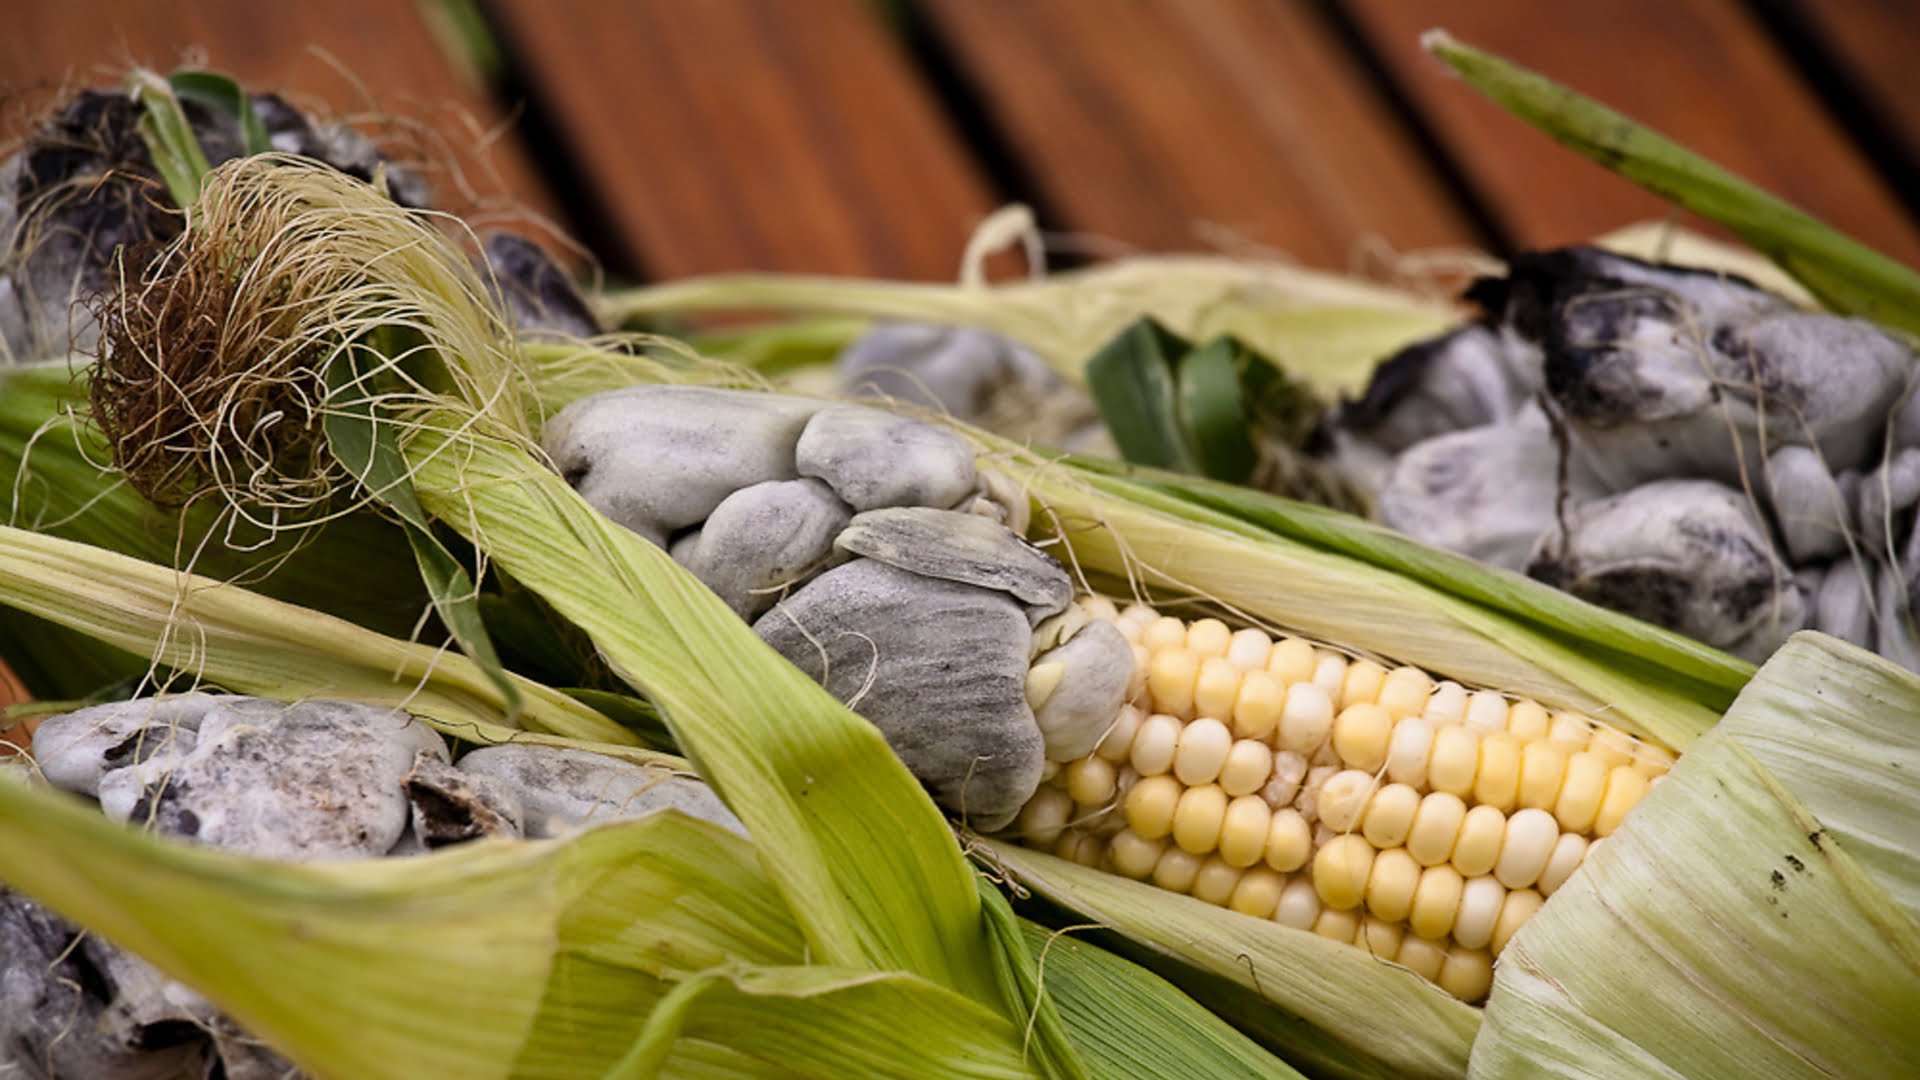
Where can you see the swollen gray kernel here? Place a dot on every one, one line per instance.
(762, 539)
(938, 666)
(657, 459)
(960, 547)
(1096, 665)
(1883, 494)
(313, 780)
(1469, 378)
(875, 459)
(1812, 508)
(1687, 554)
(1841, 606)
(562, 789)
(74, 750)
(1487, 492)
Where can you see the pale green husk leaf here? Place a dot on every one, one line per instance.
(1754, 914)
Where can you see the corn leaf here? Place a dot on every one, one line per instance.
(1128, 1022)
(861, 854)
(1846, 275)
(223, 94)
(1327, 329)
(825, 1022)
(1754, 915)
(169, 137)
(1132, 379)
(1046, 1040)
(251, 644)
(1339, 991)
(363, 442)
(490, 959)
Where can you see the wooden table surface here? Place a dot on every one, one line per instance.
(673, 137)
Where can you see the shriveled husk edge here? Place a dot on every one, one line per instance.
(1756, 913)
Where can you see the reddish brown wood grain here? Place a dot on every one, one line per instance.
(1147, 122)
(368, 59)
(1878, 42)
(733, 134)
(1701, 71)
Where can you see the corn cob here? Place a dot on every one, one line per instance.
(1409, 816)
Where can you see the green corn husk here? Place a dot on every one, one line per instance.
(1326, 329)
(1773, 873)
(59, 481)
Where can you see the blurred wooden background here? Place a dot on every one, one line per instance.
(671, 137)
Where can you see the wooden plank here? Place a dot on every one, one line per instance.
(753, 134)
(1146, 122)
(1701, 71)
(369, 60)
(1877, 43)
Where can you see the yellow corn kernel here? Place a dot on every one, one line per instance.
(1389, 816)
(1380, 937)
(1436, 901)
(1421, 956)
(1436, 824)
(1292, 661)
(1044, 816)
(1257, 706)
(1581, 792)
(1215, 688)
(1528, 720)
(1164, 632)
(1404, 692)
(1289, 841)
(1454, 761)
(1117, 744)
(1150, 806)
(1208, 637)
(1170, 680)
(1360, 684)
(1092, 781)
(1340, 870)
(1391, 884)
(1519, 907)
(1338, 924)
(1249, 649)
(1568, 851)
(1625, 787)
(1571, 730)
(1466, 973)
(1198, 818)
(1480, 902)
(1201, 751)
(1258, 892)
(1542, 768)
(1360, 736)
(1214, 882)
(1496, 782)
(1306, 719)
(1614, 746)
(1249, 763)
(1176, 869)
(1477, 847)
(1487, 711)
(1525, 847)
(1343, 799)
(1134, 855)
(1244, 829)
(1155, 745)
(1446, 705)
(1299, 905)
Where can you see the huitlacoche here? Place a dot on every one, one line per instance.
(1678, 444)
(308, 781)
(866, 549)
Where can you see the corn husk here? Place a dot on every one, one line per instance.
(1325, 329)
(1758, 908)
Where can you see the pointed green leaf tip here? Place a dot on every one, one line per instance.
(1845, 274)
